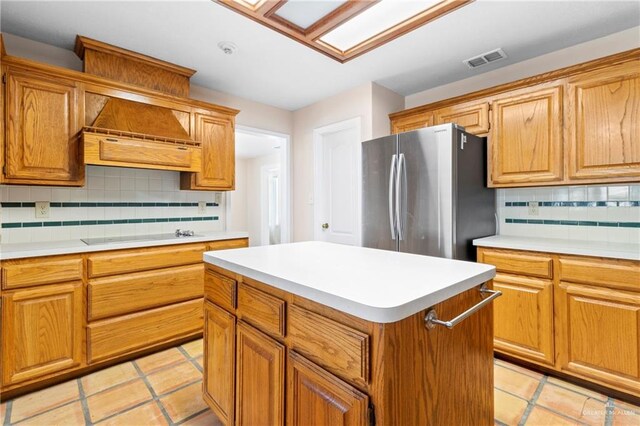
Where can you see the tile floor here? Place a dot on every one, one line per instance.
(165, 389)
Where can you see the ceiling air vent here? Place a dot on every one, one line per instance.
(485, 58)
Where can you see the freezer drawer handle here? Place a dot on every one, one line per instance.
(431, 320)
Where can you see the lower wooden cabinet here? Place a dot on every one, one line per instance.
(583, 321)
(42, 331)
(527, 303)
(259, 378)
(313, 393)
(219, 358)
(598, 334)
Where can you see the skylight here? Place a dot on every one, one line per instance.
(378, 18)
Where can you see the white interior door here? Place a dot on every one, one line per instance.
(337, 183)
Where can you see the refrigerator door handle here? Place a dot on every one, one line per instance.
(401, 178)
(392, 179)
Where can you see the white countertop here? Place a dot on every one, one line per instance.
(52, 248)
(376, 285)
(562, 246)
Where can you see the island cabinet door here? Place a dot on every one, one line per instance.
(219, 356)
(259, 378)
(316, 397)
(523, 318)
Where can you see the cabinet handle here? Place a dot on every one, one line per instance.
(431, 320)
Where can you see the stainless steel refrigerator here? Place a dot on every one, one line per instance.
(425, 192)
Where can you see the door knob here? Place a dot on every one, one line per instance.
(325, 226)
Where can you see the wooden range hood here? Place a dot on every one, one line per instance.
(136, 134)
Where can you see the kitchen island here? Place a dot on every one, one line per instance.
(323, 334)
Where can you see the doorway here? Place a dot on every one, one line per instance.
(337, 182)
(261, 203)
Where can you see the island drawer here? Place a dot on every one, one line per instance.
(339, 348)
(117, 336)
(121, 262)
(519, 263)
(32, 272)
(261, 310)
(220, 289)
(122, 294)
(622, 274)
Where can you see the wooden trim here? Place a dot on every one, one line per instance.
(525, 82)
(83, 43)
(3, 52)
(131, 90)
(265, 14)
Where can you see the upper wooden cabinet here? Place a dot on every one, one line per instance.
(526, 137)
(412, 122)
(42, 125)
(474, 117)
(604, 123)
(216, 132)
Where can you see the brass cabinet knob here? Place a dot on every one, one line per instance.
(325, 226)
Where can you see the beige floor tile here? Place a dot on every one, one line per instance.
(508, 408)
(3, 412)
(160, 360)
(112, 376)
(625, 414)
(178, 375)
(67, 415)
(117, 399)
(519, 369)
(576, 388)
(200, 361)
(515, 382)
(572, 404)
(194, 349)
(147, 414)
(44, 400)
(626, 406)
(184, 403)
(541, 417)
(205, 419)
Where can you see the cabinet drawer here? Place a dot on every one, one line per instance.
(606, 272)
(262, 310)
(123, 294)
(342, 350)
(228, 244)
(117, 336)
(220, 290)
(21, 273)
(518, 263)
(144, 259)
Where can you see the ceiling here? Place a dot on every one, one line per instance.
(271, 68)
(250, 145)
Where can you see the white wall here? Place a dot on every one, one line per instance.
(254, 196)
(594, 49)
(237, 217)
(383, 103)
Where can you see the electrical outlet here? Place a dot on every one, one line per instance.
(217, 198)
(202, 207)
(533, 208)
(42, 209)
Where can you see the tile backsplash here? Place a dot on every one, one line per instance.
(114, 202)
(588, 213)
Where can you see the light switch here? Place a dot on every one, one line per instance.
(202, 207)
(42, 209)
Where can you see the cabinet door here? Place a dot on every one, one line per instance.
(604, 123)
(42, 331)
(412, 122)
(473, 117)
(219, 365)
(259, 378)
(42, 144)
(216, 132)
(598, 334)
(523, 318)
(525, 141)
(317, 397)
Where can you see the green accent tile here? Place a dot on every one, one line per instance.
(587, 223)
(535, 221)
(55, 204)
(28, 204)
(569, 222)
(185, 219)
(119, 221)
(148, 220)
(71, 223)
(608, 224)
(32, 224)
(70, 204)
(196, 219)
(519, 221)
(215, 218)
(105, 222)
(551, 222)
(162, 220)
(629, 224)
(88, 222)
(10, 205)
(135, 220)
(52, 223)
(12, 225)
